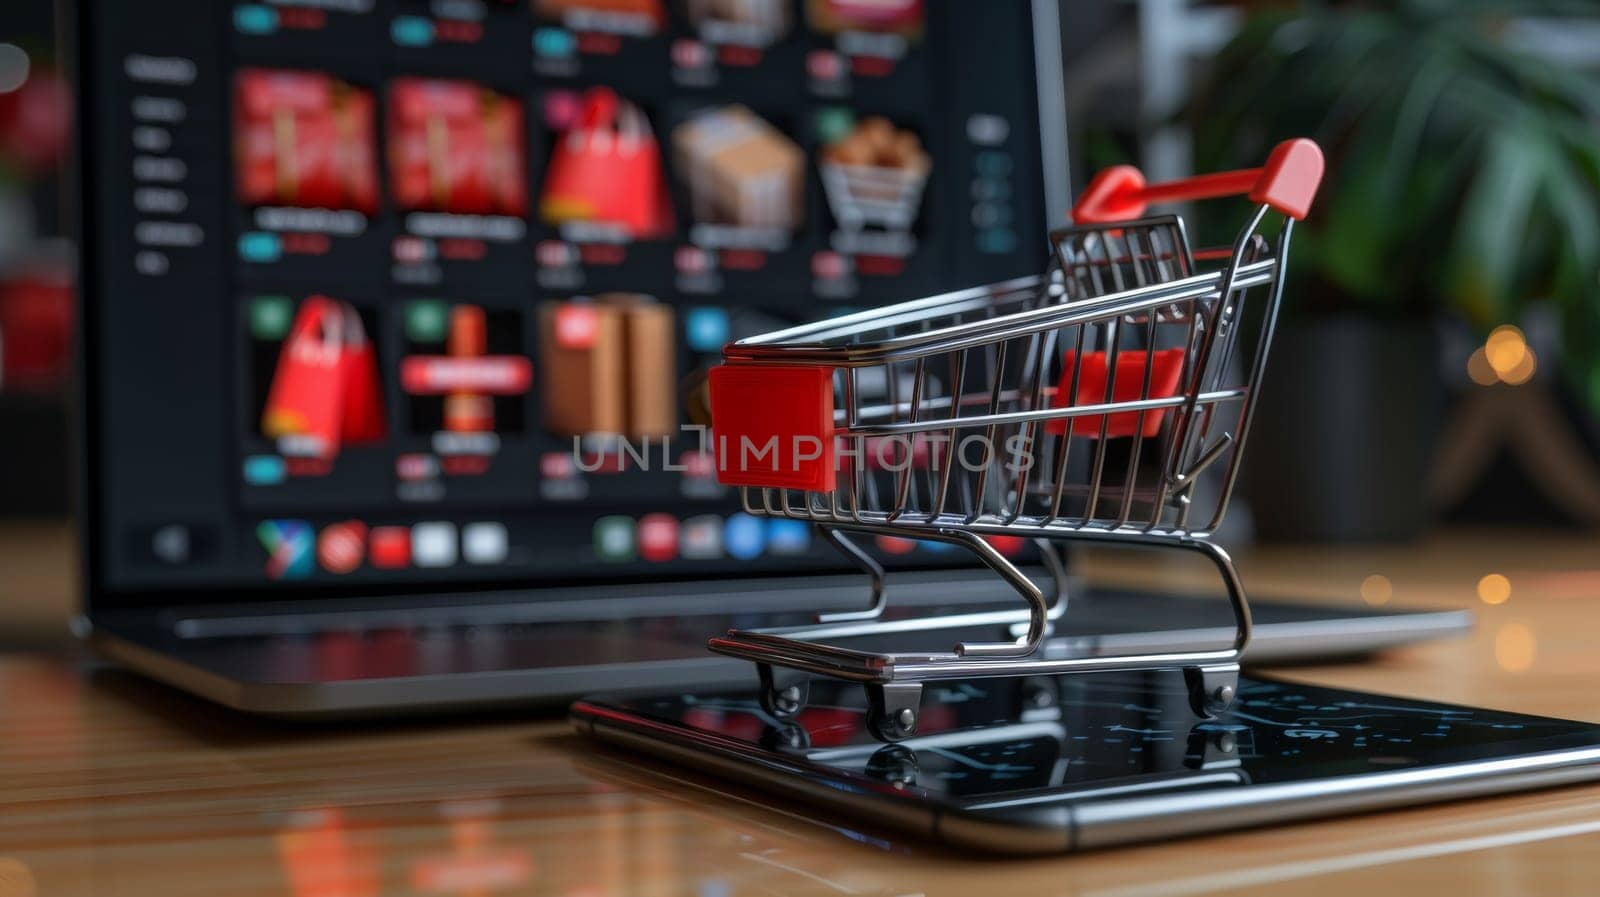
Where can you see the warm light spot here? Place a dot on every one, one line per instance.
(1479, 370)
(1504, 357)
(1523, 372)
(1515, 648)
(1505, 349)
(1494, 589)
(1377, 589)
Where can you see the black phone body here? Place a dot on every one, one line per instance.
(1052, 764)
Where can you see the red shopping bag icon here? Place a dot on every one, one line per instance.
(606, 169)
(1165, 370)
(325, 388)
(362, 414)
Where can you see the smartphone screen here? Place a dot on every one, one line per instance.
(1066, 741)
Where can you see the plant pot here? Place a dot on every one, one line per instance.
(1344, 431)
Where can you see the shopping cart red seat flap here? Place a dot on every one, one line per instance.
(773, 426)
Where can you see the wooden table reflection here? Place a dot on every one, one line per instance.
(112, 785)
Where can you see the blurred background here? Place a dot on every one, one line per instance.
(1439, 365)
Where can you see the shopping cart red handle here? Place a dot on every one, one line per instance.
(1288, 183)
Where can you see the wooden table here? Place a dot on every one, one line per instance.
(113, 786)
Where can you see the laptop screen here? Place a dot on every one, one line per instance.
(386, 295)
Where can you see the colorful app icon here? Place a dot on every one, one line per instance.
(265, 470)
(700, 538)
(745, 536)
(172, 544)
(270, 317)
(788, 537)
(342, 546)
(614, 539)
(484, 543)
(290, 546)
(707, 328)
(389, 547)
(427, 321)
(658, 537)
(433, 544)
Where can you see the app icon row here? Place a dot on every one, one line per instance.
(297, 549)
(661, 537)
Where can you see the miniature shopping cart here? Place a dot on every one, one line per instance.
(1083, 404)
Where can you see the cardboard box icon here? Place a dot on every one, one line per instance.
(610, 366)
(740, 170)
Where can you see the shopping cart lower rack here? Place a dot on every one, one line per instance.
(1083, 404)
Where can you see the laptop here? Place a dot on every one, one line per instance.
(373, 290)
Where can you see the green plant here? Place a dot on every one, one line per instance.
(1463, 172)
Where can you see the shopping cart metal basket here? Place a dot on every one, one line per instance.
(1083, 404)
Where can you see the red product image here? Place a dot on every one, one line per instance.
(455, 146)
(902, 17)
(467, 411)
(606, 169)
(1166, 367)
(304, 139)
(325, 389)
(466, 376)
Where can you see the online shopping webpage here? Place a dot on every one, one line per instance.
(381, 289)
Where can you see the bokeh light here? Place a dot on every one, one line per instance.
(1523, 371)
(1494, 589)
(1508, 357)
(1505, 348)
(1376, 590)
(1479, 370)
(1515, 648)
(14, 67)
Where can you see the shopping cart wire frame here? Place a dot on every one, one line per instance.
(1081, 404)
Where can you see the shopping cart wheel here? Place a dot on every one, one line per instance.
(893, 709)
(895, 764)
(786, 735)
(783, 693)
(1211, 689)
(1213, 748)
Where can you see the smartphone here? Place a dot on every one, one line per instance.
(1059, 763)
